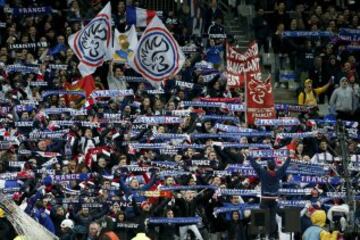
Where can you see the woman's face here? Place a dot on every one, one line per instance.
(170, 214)
(171, 106)
(88, 133)
(146, 102)
(235, 216)
(121, 217)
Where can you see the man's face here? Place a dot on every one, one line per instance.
(347, 67)
(170, 181)
(212, 156)
(134, 184)
(94, 229)
(216, 181)
(189, 195)
(323, 146)
(235, 200)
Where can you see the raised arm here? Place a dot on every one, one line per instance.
(257, 167)
(282, 170)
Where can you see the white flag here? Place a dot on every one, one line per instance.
(124, 45)
(92, 44)
(158, 55)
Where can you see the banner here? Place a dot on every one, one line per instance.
(241, 64)
(260, 100)
(124, 45)
(158, 56)
(91, 44)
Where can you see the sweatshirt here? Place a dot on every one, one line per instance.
(270, 180)
(343, 99)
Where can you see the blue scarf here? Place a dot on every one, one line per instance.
(277, 122)
(22, 68)
(158, 120)
(112, 93)
(28, 45)
(297, 34)
(32, 11)
(177, 220)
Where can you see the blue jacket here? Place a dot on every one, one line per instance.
(44, 219)
(312, 233)
(213, 54)
(270, 180)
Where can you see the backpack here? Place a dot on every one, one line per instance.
(305, 95)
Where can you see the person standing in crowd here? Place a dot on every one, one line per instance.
(186, 207)
(309, 96)
(270, 184)
(261, 30)
(280, 53)
(342, 101)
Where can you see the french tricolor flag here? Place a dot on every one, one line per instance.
(139, 17)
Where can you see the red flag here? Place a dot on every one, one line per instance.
(240, 64)
(86, 84)
(259, 98)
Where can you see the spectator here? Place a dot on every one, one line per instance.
(280, 53)
(270, 179)
(323, 156)
(316, 231)
(261, 30)
(343, 101)
(94, 231)
(308, 96)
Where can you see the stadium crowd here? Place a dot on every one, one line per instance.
(117, 170)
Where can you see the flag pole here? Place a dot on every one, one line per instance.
(246, 100)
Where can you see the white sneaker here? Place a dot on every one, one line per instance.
(283, 85)
(276, 85)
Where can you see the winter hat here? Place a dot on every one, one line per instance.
(318, 218)
(145, 203)
(67, 223)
